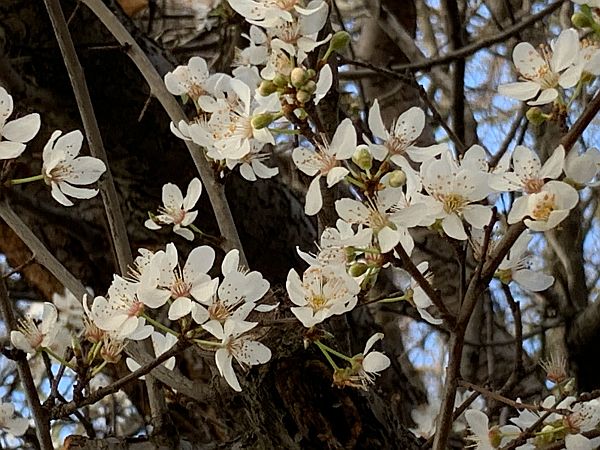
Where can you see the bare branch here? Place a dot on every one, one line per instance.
(40, 415)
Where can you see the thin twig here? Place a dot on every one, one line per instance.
(69, 408)
(215, 190)
(470, 49)
(433, 295)
(114, 215)
(40, 415)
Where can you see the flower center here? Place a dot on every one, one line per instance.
(218, 311)
(318, 302)
(195, 91)
(135, 309)
(453, 203)
(32, 332)
(180, 288)
(544, 206)
(378, 220)
(533, 185)
(396, 145)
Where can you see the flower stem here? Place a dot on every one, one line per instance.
(326, 353)
(333, 352)
(27, 180)
(208, 343)
(393, 299)
(159, 325)
(203, 235)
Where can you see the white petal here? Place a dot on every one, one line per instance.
(376, 362)
(547, 96)
(182, 306)
(565, 50)
(172, 196)
(23, 129)
(184, 232)
(532, 280)
(314, 201)
(553, 166)
(410, 124)
(324, 83)
(59, 196)
(6, 105)
(478, 422)
(376, 122)
(388, 239)
(200, 261)
(193, 194)
(372, 340)
(336, 175)
(521, 90)
(343, 144)
(477, 215)
(253, 353)
(10, 150)
(453, 227)
(224, 364)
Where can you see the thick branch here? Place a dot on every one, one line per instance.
(116, 223)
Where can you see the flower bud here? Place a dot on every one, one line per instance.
(260, 121)
(298, 77)
(310, 87)
(266, 87)
(280, 80)
(310, 74)
(303, 97)
(397, 178)
(339, 41)
(504, 275)
(581, 20)
(357, 269)
(362, 157)
(535, 116)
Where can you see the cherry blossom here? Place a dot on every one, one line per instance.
(399, 143)
(176, 209)
(62, 167)
(372, 362)
(414, 293)
(120, 311)
(15, 133)
(582, 168)
(486, 438)
(192, 79)
(234, 344)
(452, 194)
(325, 161)
(322, 293)
(384, 215)
(31, 337)
(516, 267)
(545, 72)
(546, 208)
(167, 280)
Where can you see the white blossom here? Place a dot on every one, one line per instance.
(166, 280)
(372, 362)
(192, 80)
(325, 161)
(322, 293)
(176, 209)
(63, 170)
(516, 266)
(15, 133)
(452, 192)
(482, 434)
(235, 345)
(545, 72)
(31, 337)
(582, 168)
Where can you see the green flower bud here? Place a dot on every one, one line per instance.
(310, 87)
(536, 116)
(339, 41)
(356, 270)
(581, 20)
(266, 87)
(298, 77)
(262, 120)
(303, 96)
(280, 80)
(397, 178)
(310, 74)
(362, 157)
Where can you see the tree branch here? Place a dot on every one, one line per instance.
(40, 415)
(116, 223)
(215, 190)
